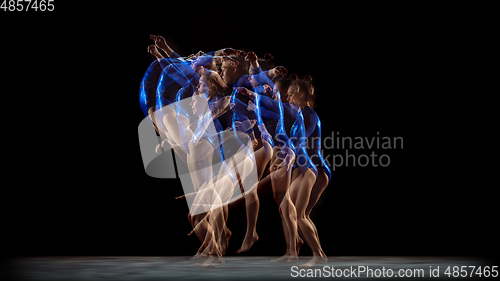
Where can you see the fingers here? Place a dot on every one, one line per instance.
(242, 90)
(251, 56)
(251, 106)
(246, 92)
(152, 49)
(280, 70)
(156, 38)
(255, 143)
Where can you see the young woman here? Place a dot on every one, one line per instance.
(307, 182)
(305, 192)
(192, 140)
(290, 137)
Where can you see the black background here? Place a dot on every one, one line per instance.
(81, 189)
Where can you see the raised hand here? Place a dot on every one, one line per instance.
(251, 57)
(267, 89)
(159, 41)
(154, 51)
(191, 56)
(251, 106)
(280, 70)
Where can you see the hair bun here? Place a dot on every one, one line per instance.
(294, 77)
(268, 56)
(308, 79)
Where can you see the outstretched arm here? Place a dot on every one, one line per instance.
(152, 50)
(251, 57)
(268, 107)
(277, 71)
(162, 44)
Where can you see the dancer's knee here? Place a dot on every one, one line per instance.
(251, 197)
(301, 214)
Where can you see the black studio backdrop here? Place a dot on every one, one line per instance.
(367, 72)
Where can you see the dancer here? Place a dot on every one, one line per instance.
(305, 191)
(234, 122)
(292, 120)
(218, 191)
(264, 153)
(214, 136)
(306, 188)
(180, 71)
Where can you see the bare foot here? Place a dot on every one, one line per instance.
(225, 242)
(300, 242)
(283, 258)
(212, 261)
(248, 242)
(199, 256)
(314, 261)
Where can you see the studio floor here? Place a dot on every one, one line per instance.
(234, 268)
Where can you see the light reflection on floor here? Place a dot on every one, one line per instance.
(235, 268)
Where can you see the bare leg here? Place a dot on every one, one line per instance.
(219, 193)
(252, 205)
(227, 232)
(223, 188)
(198, 176)
(282, 197)
(301, 188)
(252, 202)
(199, 162)
(317, 190)
(290, 216)
(216, 222)
(299, 241)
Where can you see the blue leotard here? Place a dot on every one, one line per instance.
(313, 134)
(294, 125)
(147, 91)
